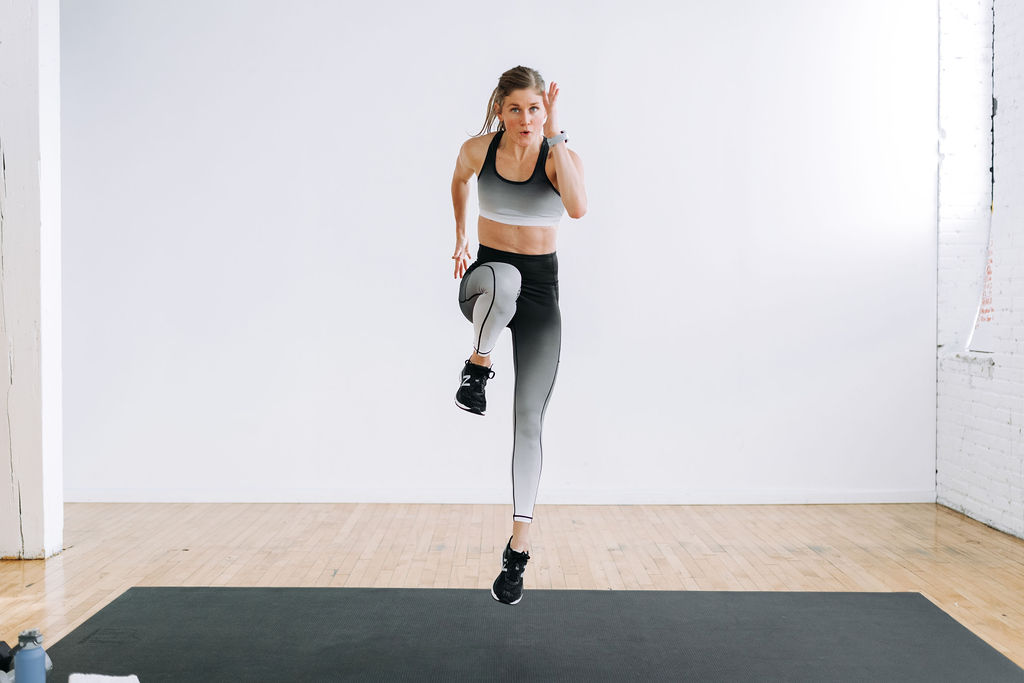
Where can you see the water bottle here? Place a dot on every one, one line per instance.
(30, 660)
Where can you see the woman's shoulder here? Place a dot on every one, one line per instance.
(475, 149)
(479, 141)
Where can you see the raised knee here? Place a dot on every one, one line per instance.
(508, 281)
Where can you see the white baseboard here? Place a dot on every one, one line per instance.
(502, 496)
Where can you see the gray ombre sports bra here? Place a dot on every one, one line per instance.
(533, 201)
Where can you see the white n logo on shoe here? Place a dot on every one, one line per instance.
(465, 380)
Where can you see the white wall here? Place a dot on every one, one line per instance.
(980, 422)
(259, 302)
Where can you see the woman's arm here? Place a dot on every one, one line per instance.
(569, 174)
(568, 167)
(460, 199)
(460, 190)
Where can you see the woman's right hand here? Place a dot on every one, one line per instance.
(462, 257)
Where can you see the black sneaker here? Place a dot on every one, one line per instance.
(470, 395)
(508, 587)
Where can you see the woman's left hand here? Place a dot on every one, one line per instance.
(551, 128)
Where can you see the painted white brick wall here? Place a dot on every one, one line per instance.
(980, 395)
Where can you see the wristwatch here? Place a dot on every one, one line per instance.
(555, 140)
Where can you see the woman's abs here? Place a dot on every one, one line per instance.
(521, 239)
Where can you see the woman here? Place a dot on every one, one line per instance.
(526, 178)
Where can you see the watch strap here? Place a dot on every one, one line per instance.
(558, 138)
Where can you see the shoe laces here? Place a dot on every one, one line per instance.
(517, 562)
(477, 380)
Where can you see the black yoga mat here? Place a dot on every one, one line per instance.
(409, 634)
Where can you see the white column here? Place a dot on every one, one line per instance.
(31, 433)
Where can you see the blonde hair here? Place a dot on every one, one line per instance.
(517, 78)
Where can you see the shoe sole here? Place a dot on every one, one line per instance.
(506, 603)
(468, 409)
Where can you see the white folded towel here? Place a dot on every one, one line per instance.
(100, 678)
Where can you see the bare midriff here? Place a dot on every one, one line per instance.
(520, 239)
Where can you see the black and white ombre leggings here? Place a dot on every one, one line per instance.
(519, 291)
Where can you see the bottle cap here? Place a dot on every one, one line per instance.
(29, 635)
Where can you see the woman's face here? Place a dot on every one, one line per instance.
(524, 115)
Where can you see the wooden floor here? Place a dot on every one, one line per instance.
(973, 572)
